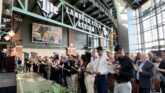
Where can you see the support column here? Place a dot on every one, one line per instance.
(71, 50)
(111, 37)
(122, 25)
(142, 32)
(156, 15)
(0, 10)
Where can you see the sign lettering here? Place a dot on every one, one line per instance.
(49, 7)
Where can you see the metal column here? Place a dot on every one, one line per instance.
(0, 10)
(157, 25)
(142, 32)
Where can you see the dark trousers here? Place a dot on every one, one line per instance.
(144, 90)
(28, 66)
(62, 79)
(2, 65)
(101, 82)
(162, 86)
(81, 83)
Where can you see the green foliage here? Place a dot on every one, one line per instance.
(56, 88)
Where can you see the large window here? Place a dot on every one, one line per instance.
(149, 26)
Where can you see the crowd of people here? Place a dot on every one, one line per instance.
(94, 71)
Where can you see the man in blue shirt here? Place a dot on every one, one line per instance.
(144, 73)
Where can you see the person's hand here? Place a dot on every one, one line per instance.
(117, 66)
(157, 69)
(116, 70)
(79, 70)
(59, 67)
(69, 70)
(138, 68)
(97, 73)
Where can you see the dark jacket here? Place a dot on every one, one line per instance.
(67, 66)
(126, 71)
(146, 75)
(2, 56)
(162, 66)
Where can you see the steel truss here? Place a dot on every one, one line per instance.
(74, 22)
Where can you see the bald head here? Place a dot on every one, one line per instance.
(144, 57)
(150, 54)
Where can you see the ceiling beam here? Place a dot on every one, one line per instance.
(73, 2)
(105, 19)
(101, 16)
(88, 5)
(95, 12)
(91, 10)
(33, 5)
(128, 5)
(105, 3)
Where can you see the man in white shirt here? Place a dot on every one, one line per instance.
(101, 71)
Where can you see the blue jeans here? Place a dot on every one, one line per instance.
(62, 79)
(101, 82)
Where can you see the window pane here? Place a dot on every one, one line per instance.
(160, 33)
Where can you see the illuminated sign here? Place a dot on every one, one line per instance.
(85, 22)
(48, 7)
(6, 14)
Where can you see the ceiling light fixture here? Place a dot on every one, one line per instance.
(11, 33)
(7, 37)
(84, 5)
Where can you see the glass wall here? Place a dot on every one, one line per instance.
(149, 26)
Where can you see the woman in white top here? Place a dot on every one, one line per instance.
(89, 75)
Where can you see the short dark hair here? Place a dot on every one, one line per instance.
(118, 48)
(158, 54)
(99, 48)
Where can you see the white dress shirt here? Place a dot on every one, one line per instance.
(101, 65)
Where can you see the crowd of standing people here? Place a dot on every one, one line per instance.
(94, 71)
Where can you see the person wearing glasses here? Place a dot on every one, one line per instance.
(125, 71)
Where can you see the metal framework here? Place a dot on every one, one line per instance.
(152, 27)
(72, 23)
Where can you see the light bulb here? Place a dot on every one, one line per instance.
(84, 5)
(11, 33)
(7, 37)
